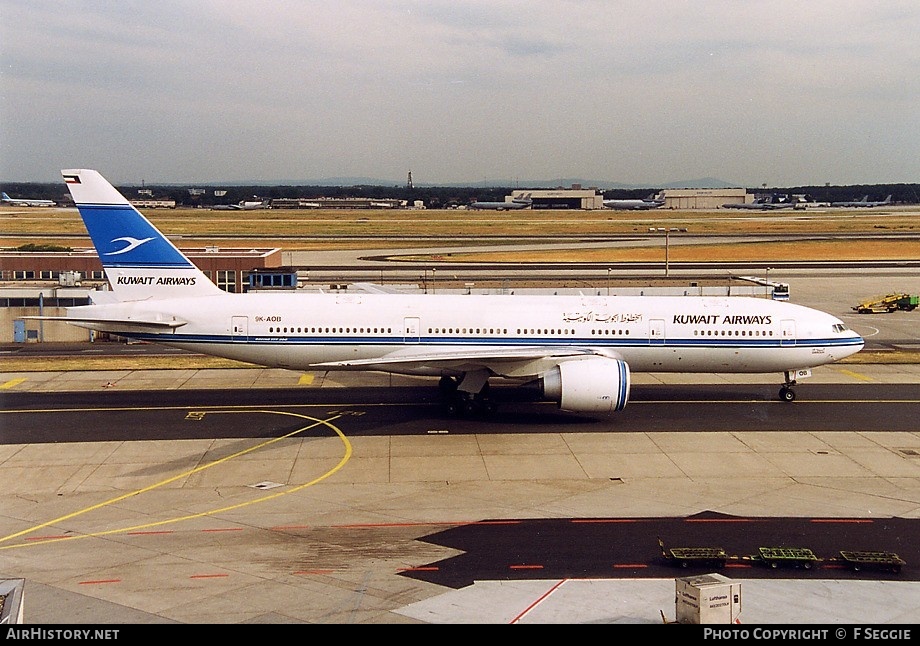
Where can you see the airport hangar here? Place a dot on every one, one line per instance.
(590, 199)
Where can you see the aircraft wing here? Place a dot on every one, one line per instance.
(496, 360)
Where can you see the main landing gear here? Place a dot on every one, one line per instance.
(786, 392)
(459, 402)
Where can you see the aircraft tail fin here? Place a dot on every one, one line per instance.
(139, 261)
(5, 197)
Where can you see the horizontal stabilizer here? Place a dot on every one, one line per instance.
(114, 325)
(374, 288)
(103, 297)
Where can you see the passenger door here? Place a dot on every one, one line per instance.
(787, 333)
(239, 329)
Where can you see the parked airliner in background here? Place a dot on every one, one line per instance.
(6, 199)
(579, 350)
(884, 202)
(521, 202)
(864, 200)
(761, 204)
(653, 201)
(245, 205)
(863, 203)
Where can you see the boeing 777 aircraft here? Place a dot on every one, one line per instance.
(578, 349)
(521, 202)
(6, 199)
(652, 202)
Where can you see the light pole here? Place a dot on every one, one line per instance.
(667, 250)
(667, 245)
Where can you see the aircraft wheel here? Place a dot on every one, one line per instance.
(453, 408)
(787, 394)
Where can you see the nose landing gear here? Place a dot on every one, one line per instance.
(786, 392)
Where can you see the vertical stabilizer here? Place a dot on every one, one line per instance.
(139, 262)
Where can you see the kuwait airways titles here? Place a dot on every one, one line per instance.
(729, 319)
(154, 280)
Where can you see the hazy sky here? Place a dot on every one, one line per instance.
(646, 91)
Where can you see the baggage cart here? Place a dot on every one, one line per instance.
(712, 557)
(884, 561)
(776, 557)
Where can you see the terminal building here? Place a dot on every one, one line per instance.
(44, 283)
(576, 198)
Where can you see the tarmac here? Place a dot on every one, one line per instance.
(235, 566)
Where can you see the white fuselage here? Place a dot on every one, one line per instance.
(349, 331)
(580, 349)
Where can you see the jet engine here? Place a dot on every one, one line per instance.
(595, 385)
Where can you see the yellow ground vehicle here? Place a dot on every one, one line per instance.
(888, 303)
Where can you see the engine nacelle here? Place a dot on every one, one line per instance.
(596, 385)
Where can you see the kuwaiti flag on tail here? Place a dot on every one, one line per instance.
(139, 261)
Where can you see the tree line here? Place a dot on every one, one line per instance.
(432, 196)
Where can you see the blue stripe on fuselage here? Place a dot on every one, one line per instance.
(633, 342)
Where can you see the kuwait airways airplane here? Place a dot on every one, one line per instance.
(580, 350)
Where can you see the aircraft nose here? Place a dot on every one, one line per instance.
(858, 344)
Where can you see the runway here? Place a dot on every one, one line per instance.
(245, 496)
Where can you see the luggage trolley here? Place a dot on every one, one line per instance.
(714, 557)
(884, 561)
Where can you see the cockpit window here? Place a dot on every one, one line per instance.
(840, 327)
